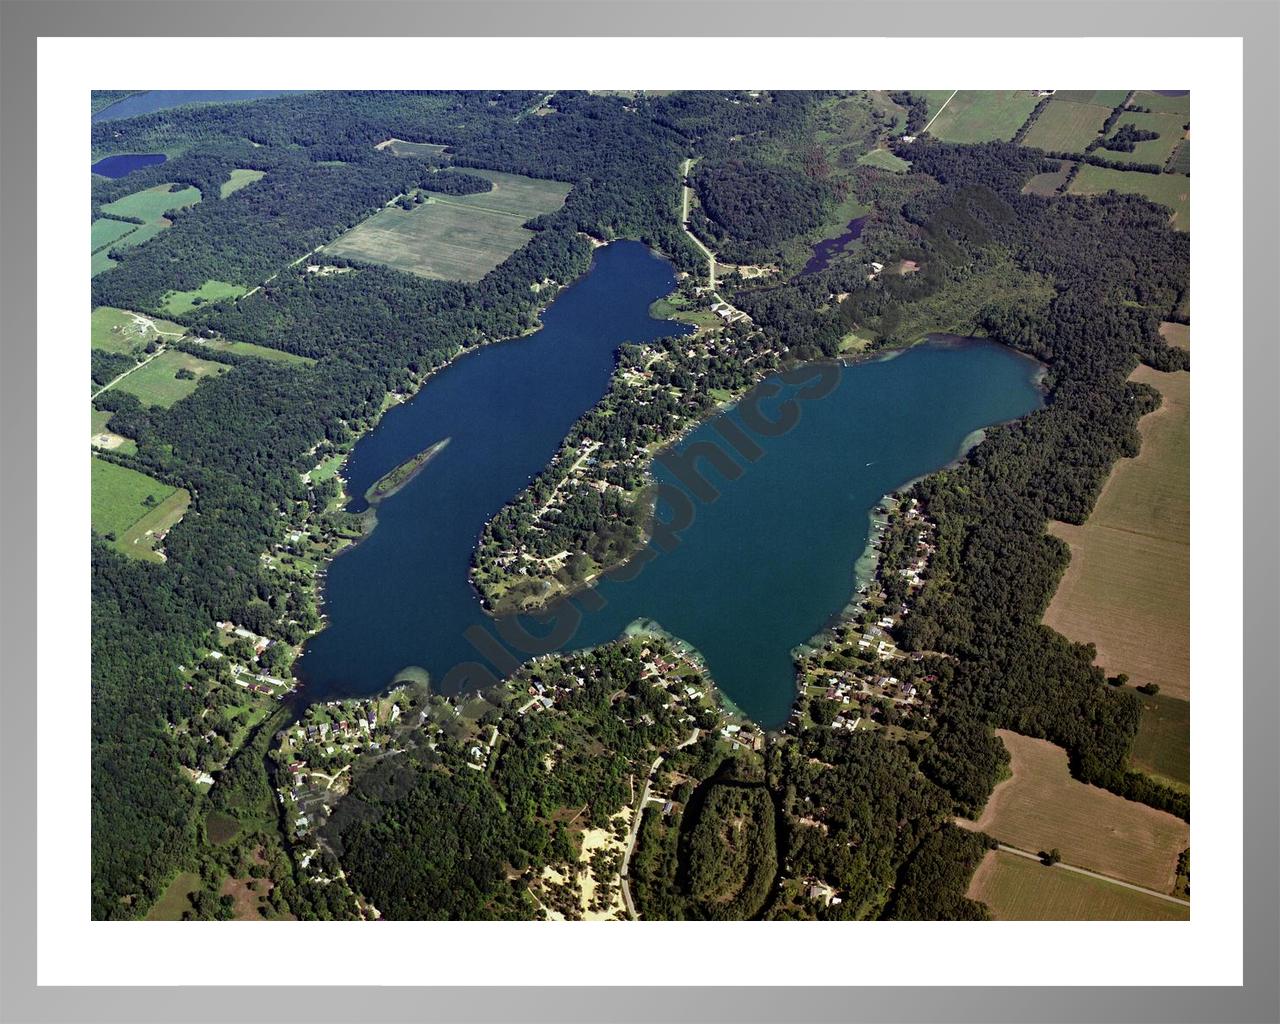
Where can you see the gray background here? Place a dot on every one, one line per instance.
(1258, 22)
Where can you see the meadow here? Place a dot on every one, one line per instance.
(1153, 151)
(118, 330)
(983, 116)
(1109, 98)
(130, 508)
(1017, 889)
(244, 348)
(1162, 748)
(150, 205)
(178, 303)
(176, 899)
(240, 177)
(1065, 127)
(153, 203)
(885, 160)
(454, 238)
(157, 383)
(1041, 807)
(398, 147)
(1048, 183)
(1127, 589)
(1159, 104)
(1171, 190)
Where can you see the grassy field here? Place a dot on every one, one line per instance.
(244, 348)
(178, 303)
(1153, 151)
(398, 147)
(156, 382)
(454, 237)
(240, 177)
(326, 469)
(118, 330)
(176, 899)
(1128, 587)
(153, 203)
(1040, 807)
(103, 438)
(1158, 104)
(1066, 127)
(885, 160)
(1017, 889)
(1172, 190)
(1163, 744)
(119, 508)
(1178, 335)
(1180, 162)
(1109, 98)
(1047, 184)
(934, 98)
(983, 116)
(105, 231)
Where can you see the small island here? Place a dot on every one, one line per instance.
(390, 483)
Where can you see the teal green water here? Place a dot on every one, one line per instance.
(753, 573)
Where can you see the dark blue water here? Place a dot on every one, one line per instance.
(757, 572)
(126, 163)
(165, 99)
(829, 248)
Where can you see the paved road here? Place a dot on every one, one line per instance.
(1093, 874)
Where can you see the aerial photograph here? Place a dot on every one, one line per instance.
(643, 505)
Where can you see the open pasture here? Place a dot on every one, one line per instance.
(454, 238)
(244, 348)
(1159, 103)
(118, 330)
(178, 303)
(1041, 807)
(1153, 151)
(983, 116)
(423, 150)
(157, 382)
(1180, 162)
(1017, 889)
(240, 177)
(1162, 747)
(1064, 127)
(885, 160)
(1171, 190)
(131, 509)
(105, 231)
(1109, 98)
(153, 203)
(1127, 589)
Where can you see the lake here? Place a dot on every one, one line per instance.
(126, 163)
(166, 99)
(756, 572)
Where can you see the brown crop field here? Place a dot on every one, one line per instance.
(1017, 889)
(1041, 807)
(1066, 127)
(454, 238)
(1127, 589)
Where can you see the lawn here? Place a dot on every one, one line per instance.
(1040, 807)
(244, 348)
(885, 160)
(1171, 190)
(1128, 587)
(1163, 744)
(118, 330)
(156, 382)
(983, 116)
(454, 237)
(1064, 127)
(240, 177)
(1153, 151)
(326, 469)
(1017, 889)
(176, 899)
(178, 303)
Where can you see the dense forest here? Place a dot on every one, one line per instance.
(1080, 284)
